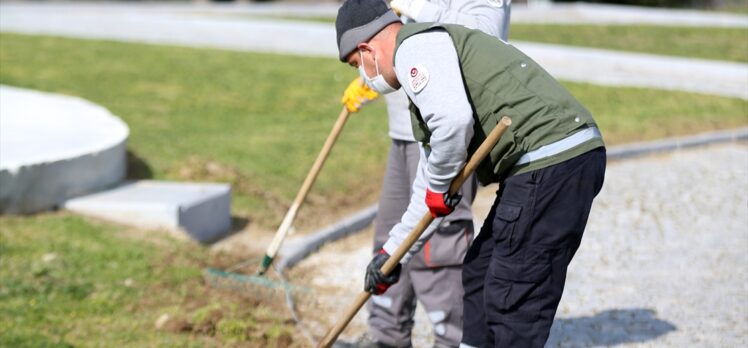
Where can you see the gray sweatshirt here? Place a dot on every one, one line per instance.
(427, 67)
(438, 169)
(489, 16)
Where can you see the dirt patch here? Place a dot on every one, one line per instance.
(317, 211)
(224, 314)
(198, 169)
(227, 314)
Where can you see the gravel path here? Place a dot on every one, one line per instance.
(665, 257)
(664, 262)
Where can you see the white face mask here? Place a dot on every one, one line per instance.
(378, 83)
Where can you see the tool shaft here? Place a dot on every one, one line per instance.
(285, 226)
(483, 150)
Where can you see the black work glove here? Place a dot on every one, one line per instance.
(375, 281)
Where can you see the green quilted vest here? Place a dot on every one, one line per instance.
(502, 81)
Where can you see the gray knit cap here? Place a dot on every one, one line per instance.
(358, 21)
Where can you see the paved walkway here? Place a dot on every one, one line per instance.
(571, 13)
(239, 28)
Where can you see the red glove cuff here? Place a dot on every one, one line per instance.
(381, 288)
(435, 202)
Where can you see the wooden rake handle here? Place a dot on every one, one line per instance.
(472, 164)
(288, 220)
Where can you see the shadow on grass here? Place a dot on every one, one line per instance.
(608, 328)
(137, 168)
(238, 223)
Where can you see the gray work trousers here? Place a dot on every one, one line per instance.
(434, 275)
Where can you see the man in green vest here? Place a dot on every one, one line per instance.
(551, 163)
(391, 315)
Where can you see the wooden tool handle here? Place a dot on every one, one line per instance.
(472, 164)
(285, 226)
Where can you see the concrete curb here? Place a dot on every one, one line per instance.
(671, 144)
(297, 250)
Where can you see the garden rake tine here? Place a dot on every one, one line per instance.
(472, 164)
(285, 226)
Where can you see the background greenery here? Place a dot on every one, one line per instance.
(259, 120)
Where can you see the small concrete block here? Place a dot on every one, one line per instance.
(202, 210)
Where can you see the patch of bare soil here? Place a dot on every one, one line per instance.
(214, 311)
(330, 275)
(316, 212)
(198, 169)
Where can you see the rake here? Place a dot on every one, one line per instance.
(229, 278)
(472, 164)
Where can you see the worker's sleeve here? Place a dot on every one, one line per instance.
(416, 211)
(427, 67)
(488, 16)
(429, 72)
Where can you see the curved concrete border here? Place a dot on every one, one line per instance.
(671, 144)
(54, 147)
(297, 250)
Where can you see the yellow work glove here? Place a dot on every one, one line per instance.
(357, 94)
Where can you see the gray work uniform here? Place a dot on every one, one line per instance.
(434, 274)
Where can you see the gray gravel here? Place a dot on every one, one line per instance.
(664, 261)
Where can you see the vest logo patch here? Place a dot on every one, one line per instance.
(418, 78)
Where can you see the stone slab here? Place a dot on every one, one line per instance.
(202, 210)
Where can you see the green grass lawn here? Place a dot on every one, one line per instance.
(72, 282)
(707, 43)
(259, 120)
(255, 120)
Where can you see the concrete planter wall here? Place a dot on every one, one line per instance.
(55, 147)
